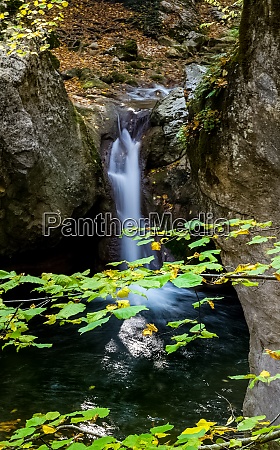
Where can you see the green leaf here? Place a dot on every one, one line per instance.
(93, 284)
(23, 432)
(187, 280)
(249, 423)
(162, 279)
(35, 421)
(58, 444)
(242, 377)
(77, 446)
(4, 274)
(258, 240)
(197, 328)
(161, 428)
(52, 415)
(93, 317)
(180, 322)
(174, 347)
(148, 283)
(207, 335)
(71, 309)
(200, 243)
(141, 262)
(234, 443)
(206, 300)
(32, 312)
(101, 443)
(130, 311)
(93, 325)
(31, 279)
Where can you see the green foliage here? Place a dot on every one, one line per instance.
(81, 288)
(76, 431)
(206, 120)
(29, 27)
(231, 12)
(263, 377)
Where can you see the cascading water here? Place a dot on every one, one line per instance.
(124, 174)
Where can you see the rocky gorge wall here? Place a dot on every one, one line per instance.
(49, 160)
(232, 171)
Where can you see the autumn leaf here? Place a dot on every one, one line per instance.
(155, 245)
(9, 426)
(265, 374)
(48, 430)
(123, 303)
(123, 293)
(149, 330)
(277, 276)
(273, 354)
(211, 304)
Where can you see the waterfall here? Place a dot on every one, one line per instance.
(124, 175)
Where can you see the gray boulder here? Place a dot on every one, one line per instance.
(178, 18)
(162, 145)
(48, 158)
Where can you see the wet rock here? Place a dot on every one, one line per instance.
(194, 75)
(94, 83)
(167, 41)
(162, 145)
(126, 51)
(178, 18)
(194, 41)
(71, 73)
(48, 158)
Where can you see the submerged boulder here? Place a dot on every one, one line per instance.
(48, 158)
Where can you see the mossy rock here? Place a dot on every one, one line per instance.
(94, 83)
(132, 82)
(127, 51)
(135, 65)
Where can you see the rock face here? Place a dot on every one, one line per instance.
(48, 158)
(178, 18)
(236, 172)
(162, 144)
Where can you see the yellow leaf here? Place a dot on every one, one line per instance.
(50, 5)
(212, 306)
(123, 293)
(149, 330)
(123, 303)
(265, 374)
(155, 245)
(161, 435)
(48, 430)
(194, 430)
(64, 4)
(206, 425)
(2, 16)
(277, 276)
(41, 12)
(111, 307)
(273, 354)
(52, 319)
